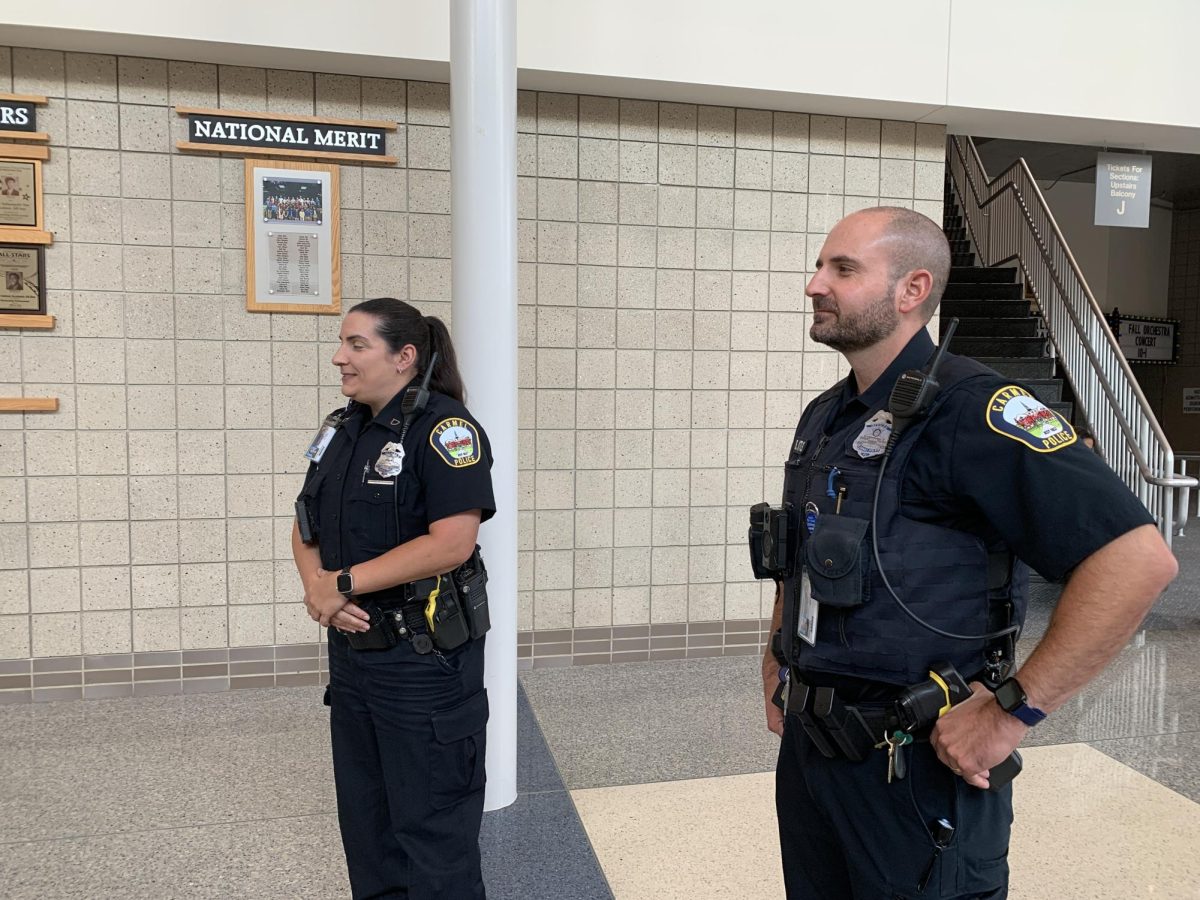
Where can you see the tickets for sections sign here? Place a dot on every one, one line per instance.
(1123, 190)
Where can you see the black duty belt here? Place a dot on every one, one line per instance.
(837, 728)
(395, 618)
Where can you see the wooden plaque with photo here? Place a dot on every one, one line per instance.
(293, 252)
(22, 280)
(21, 213)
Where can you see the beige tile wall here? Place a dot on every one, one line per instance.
(664, 356)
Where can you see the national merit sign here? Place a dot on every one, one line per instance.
(226, 131)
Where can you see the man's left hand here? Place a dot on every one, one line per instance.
(976, 735)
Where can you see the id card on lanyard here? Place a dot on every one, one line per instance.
(324, 435)
(807, 610)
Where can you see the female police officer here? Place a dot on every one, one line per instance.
(398, 486)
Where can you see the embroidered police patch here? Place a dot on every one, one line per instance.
(456, 441)
(1017, 414)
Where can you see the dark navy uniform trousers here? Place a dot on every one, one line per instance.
(409, 737)
(846, 834)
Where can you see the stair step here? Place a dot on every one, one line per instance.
(982, 275)
(960, 246)
(995, 326)
(974, 309)
(962, 260)
(1019, 369)
(955, 233)
(1024, 347)
(1048, 390)
(985, 291)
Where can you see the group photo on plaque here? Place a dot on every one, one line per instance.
(293, 258)
(292, 200)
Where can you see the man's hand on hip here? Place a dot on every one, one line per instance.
(976, 735)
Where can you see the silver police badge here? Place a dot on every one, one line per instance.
(872, 440)
(391, 460)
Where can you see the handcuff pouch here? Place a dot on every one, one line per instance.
(836, 555)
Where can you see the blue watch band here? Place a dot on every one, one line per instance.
(1011, 697)
(1030, 715)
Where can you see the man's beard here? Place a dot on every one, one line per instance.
(850, 333)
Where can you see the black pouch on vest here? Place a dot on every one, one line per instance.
(836, 555)
(471, 581)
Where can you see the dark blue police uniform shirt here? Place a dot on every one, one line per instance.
(363, 508)
(1053, 509)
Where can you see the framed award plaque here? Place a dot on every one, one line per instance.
(293, 252)
(22, 279)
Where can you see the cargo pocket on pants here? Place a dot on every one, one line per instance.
(460, 741)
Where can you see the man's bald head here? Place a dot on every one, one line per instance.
(914, 241)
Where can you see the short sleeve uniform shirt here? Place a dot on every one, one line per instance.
(373, 490)
(1052, 505)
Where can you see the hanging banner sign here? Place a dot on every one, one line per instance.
(1123, 190)
(1147, 340)
(264, 134)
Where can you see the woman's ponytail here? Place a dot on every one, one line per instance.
(446, 378)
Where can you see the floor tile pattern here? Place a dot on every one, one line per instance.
(638, 779)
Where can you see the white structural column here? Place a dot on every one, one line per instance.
(483, 174)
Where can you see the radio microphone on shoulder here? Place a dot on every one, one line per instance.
(914, 391)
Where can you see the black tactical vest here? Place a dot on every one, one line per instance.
(949, 578)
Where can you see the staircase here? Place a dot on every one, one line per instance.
(1009, 222)
(995, 323)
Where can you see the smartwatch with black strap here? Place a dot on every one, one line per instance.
(1011, 697)
(345, 583)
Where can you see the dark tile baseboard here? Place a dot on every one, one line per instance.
(641, 643)
(160, 673)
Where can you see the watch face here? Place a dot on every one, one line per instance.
(1010, 695)
(345, 583)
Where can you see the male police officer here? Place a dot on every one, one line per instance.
(978, 479)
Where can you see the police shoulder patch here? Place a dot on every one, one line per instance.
(456, 442)
(1017, 414)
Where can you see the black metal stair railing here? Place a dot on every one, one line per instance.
(1008, 220)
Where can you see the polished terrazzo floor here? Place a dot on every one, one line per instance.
(641, 780)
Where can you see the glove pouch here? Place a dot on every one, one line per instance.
(838, 561)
